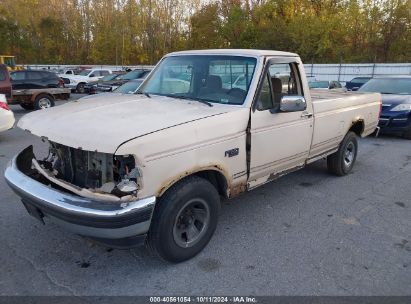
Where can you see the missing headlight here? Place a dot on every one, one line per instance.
(96, 171)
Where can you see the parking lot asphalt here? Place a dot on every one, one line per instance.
(308, 233)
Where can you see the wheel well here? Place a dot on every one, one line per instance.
(217, 179)
(358, 127)
(42, 94)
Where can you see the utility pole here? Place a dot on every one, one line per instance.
(122, 51)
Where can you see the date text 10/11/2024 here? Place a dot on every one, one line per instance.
(203, 299)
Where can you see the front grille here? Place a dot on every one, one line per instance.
(84, 168)
(88, 169)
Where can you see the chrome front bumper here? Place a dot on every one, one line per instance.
(97, 219)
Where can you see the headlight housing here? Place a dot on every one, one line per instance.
(402, 107)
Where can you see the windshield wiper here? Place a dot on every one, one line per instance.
(190, 98)
(145, 93)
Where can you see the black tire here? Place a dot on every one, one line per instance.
(80, 88)
(43, 101)
(341, 162)
(27, 106)
(407, 134)
(167, 236)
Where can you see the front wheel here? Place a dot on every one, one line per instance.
(184, 220)
(80, 88)
(341, 162)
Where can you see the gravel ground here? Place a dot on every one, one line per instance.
(307, 233)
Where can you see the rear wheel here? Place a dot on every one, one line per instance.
(43, 101)
(184, 220)
(341, 162)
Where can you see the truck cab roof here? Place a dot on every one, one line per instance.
(235, 52)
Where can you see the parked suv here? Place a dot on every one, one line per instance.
(32, 79)
(5, 82)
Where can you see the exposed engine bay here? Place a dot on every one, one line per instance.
(90, 174)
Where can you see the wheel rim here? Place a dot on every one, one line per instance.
(81, 88)
(191, 223)
(349, 154)
(44, 103)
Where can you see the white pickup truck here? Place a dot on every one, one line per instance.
(124, 169)
(77, 82)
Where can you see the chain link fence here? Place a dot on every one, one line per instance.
(346, 71)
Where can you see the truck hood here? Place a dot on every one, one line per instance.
(102, 124)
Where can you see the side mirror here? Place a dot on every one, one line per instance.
(92, 75)
(293, 104)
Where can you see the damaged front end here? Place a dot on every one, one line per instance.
(92, 175)
(89, 193)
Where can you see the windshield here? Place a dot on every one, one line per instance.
(318, 85)
(129, 87)
(109, 77)
(212, 78)
(400, 86)
(132, 75)
(85, 73)
(359, 80)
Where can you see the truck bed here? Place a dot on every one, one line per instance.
(51, 91)
(28, 96)
(318, 95)
(334, 113)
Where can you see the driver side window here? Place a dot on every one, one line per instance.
(281, 79)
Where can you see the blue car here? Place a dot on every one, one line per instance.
(395, 116)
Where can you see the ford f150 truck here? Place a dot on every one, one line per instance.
(152, 166)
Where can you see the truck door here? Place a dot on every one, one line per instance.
(281, 122)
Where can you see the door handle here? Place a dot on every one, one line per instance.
(307, 114)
